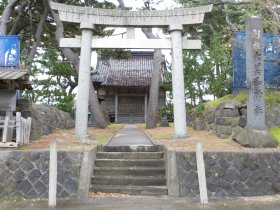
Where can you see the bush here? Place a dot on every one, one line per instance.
(200, 109)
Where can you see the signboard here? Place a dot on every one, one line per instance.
(9, 51)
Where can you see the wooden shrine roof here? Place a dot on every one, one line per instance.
(133, 72)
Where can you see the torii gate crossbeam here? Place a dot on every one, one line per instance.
(174, 19)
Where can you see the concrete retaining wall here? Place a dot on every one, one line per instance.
(230, 173)
(25, 173)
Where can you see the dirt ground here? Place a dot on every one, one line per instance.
(209, 140)
(66, 140)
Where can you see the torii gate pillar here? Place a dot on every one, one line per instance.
(180, 127)
(84, 81)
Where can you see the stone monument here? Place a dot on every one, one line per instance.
(255, 133)
(174, 19)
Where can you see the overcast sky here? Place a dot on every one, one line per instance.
(165, 4)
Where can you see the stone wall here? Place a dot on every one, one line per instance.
(230, 173)
(45, 118)
(227, 117)
(26, 173)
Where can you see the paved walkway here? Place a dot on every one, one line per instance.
(130, 135)
(150, 203)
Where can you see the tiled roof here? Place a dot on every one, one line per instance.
(133, 72)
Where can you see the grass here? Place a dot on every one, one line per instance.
(11, 198)
(239, 97)
(270, 97)
(275, 132)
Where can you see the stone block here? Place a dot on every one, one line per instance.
(164, 123)
(242, 121)
(199, 124)
(210, 127)
(243, 111)
(276, 186)
(210, 117)
(34, 175)
(26, 165)
(71, 185)
(4, 175)
(31, 194)
(18, 175)
(255, 138)
(64, 194)
(228, 113)
(40, 188)
(24, 187)
(223, 131)
(11, 164)
(226, 121)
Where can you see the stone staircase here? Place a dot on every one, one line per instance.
(133, 170)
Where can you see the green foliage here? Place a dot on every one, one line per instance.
(54, 81)
(106, 54)
(275, 132)
(200, 109)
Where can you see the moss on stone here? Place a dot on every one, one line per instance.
(241, 97)
(275, 132)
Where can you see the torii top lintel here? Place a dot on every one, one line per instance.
(111, 17)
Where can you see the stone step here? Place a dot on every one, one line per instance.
(130, 190)
(130, 155)
(132, 171)
(129, 180)
(154, 148)
(128, 163)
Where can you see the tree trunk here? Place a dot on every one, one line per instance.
(154, 88)
(154, 91)
(38, 35)
(73, 58)
(200, 95)
(6, 16)
(98, 116)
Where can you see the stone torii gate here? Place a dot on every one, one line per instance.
(89, 17)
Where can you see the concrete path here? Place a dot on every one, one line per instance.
(150, 203)
(130, 135)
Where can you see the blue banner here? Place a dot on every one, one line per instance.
(271, 51)
(9, 51)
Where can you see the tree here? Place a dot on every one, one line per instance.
(56, 88)
(73, 58)
(209, 71)
(35, 22)
(270, 11)
(27, 18)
